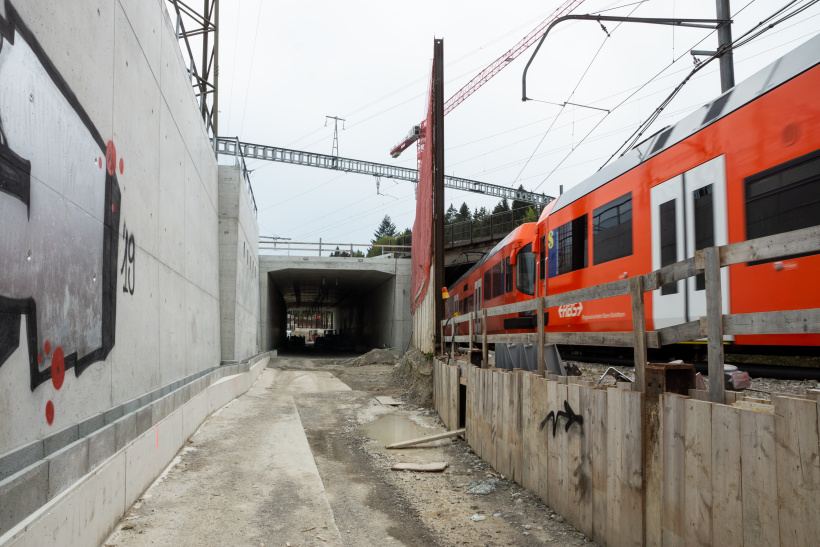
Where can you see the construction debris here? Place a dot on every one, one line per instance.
(428, 438)
(428, 467)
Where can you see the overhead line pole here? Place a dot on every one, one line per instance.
(725, 56)
(438, 180)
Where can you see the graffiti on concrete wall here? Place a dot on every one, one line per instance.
(60, 211)
(127, 269)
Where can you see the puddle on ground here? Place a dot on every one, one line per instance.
(392, 428)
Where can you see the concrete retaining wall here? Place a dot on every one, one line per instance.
(77, 494)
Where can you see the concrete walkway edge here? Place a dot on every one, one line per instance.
(87, 512)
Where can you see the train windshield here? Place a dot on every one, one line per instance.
(525, 270)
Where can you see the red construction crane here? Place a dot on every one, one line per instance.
(491, 70)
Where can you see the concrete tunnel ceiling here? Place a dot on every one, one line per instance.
(305, 288)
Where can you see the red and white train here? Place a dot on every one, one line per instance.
(746, 165)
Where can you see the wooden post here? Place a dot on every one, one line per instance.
(453, 341)
(714, 323)
(539, 322)
(639, 327)
(470, 330)
(485, 357)
(443, 343)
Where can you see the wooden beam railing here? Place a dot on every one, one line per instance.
(713, 326)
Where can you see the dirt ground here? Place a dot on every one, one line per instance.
(422, 508)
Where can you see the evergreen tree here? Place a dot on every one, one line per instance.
(450, 215)
(501, 207)
(386, 228)
(529, 216)
(519, 208)
(464, 212)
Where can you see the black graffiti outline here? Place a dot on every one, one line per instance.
(11, 309)
(128, 254)
(568, 413)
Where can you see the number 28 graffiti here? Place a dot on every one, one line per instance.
(127, 269)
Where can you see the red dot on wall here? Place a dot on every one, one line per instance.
(50, 412)
(112, 207)
(111, 157)
(48, 347)
(122, 166)
(58, 368)
(39, 357)
(99, 163)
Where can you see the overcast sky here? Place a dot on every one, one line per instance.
(284, 66)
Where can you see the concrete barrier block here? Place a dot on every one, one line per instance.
(90, 425)
(150, 453)
(130, 406)
(14, 461)
(66, 466)
(114, 414)
(83, 515)
(63, 438)
(193, 414)
(101, 445)
(22, 493)
(160, 409)
(144, 400)
(125, 431)
(145, 420)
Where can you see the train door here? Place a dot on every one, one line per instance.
(478, 300)
(688, 214)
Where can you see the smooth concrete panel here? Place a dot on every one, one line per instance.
(125, 431)
(145, 19)
(67, 465)
(84, 65)
(221, 393)
(136, 137)
(20, 458)
(172, 354)
(172, 155)
(135, 358)
(193, 414)
(22, 493)
(83, 515)
(193, 229)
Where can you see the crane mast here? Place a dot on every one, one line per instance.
(486, 75)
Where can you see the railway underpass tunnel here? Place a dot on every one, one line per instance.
(334, 304)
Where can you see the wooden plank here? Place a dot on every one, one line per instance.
(761, 525)
(541, 340)
(502, 448)
(632, 510)
(669, 274)
(427, 467)
(506, 309)
(773, 322)
(562, 440)
(573, 462)
(584, 473)
(485, 345)
(468, 422)
(527, 439)
(497, 413)
(554, 462)
(679, 333)
(798, 470)
(653, 470)
(806, 240)
(455, 398)
(615, 339)
(461, 338)
(541, 463)
(714, 312)
(615, 499)
(523, 338)
(470, 332)
(639, 330)
(727, 507)
(489, 431)
(596, 292)
(597, 429)
(516, 454)
(730, 397)
(699, 394)
(388, 400)
(698, 472)
(458, 319)
(428, 438)
(673, 415)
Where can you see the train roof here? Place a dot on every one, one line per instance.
(779, 72)
(500, 245)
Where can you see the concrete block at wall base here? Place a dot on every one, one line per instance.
(193, 414)
(20, 458)
(130, 406)
(149, 454)
(61, 439)
(66, 466)
(159, 410)
(101, 445)
(114, 414)
(84, 515)
(125, 431)
(221, 392)
(144, 419)
(91, 424)
(22, 493)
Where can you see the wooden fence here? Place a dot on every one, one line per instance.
(625, 469)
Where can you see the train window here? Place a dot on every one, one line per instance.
(572, 245)
(783, 199)
(542, 259)
(704, 226)
(508, 276)
(470, 303)
(488, 285)
(612, 230)
(525, 270)
(498, 279)
(669, 241)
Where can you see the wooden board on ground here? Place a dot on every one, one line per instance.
(388, 400)
(425, 467)
(698, 472)
(427, 439)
